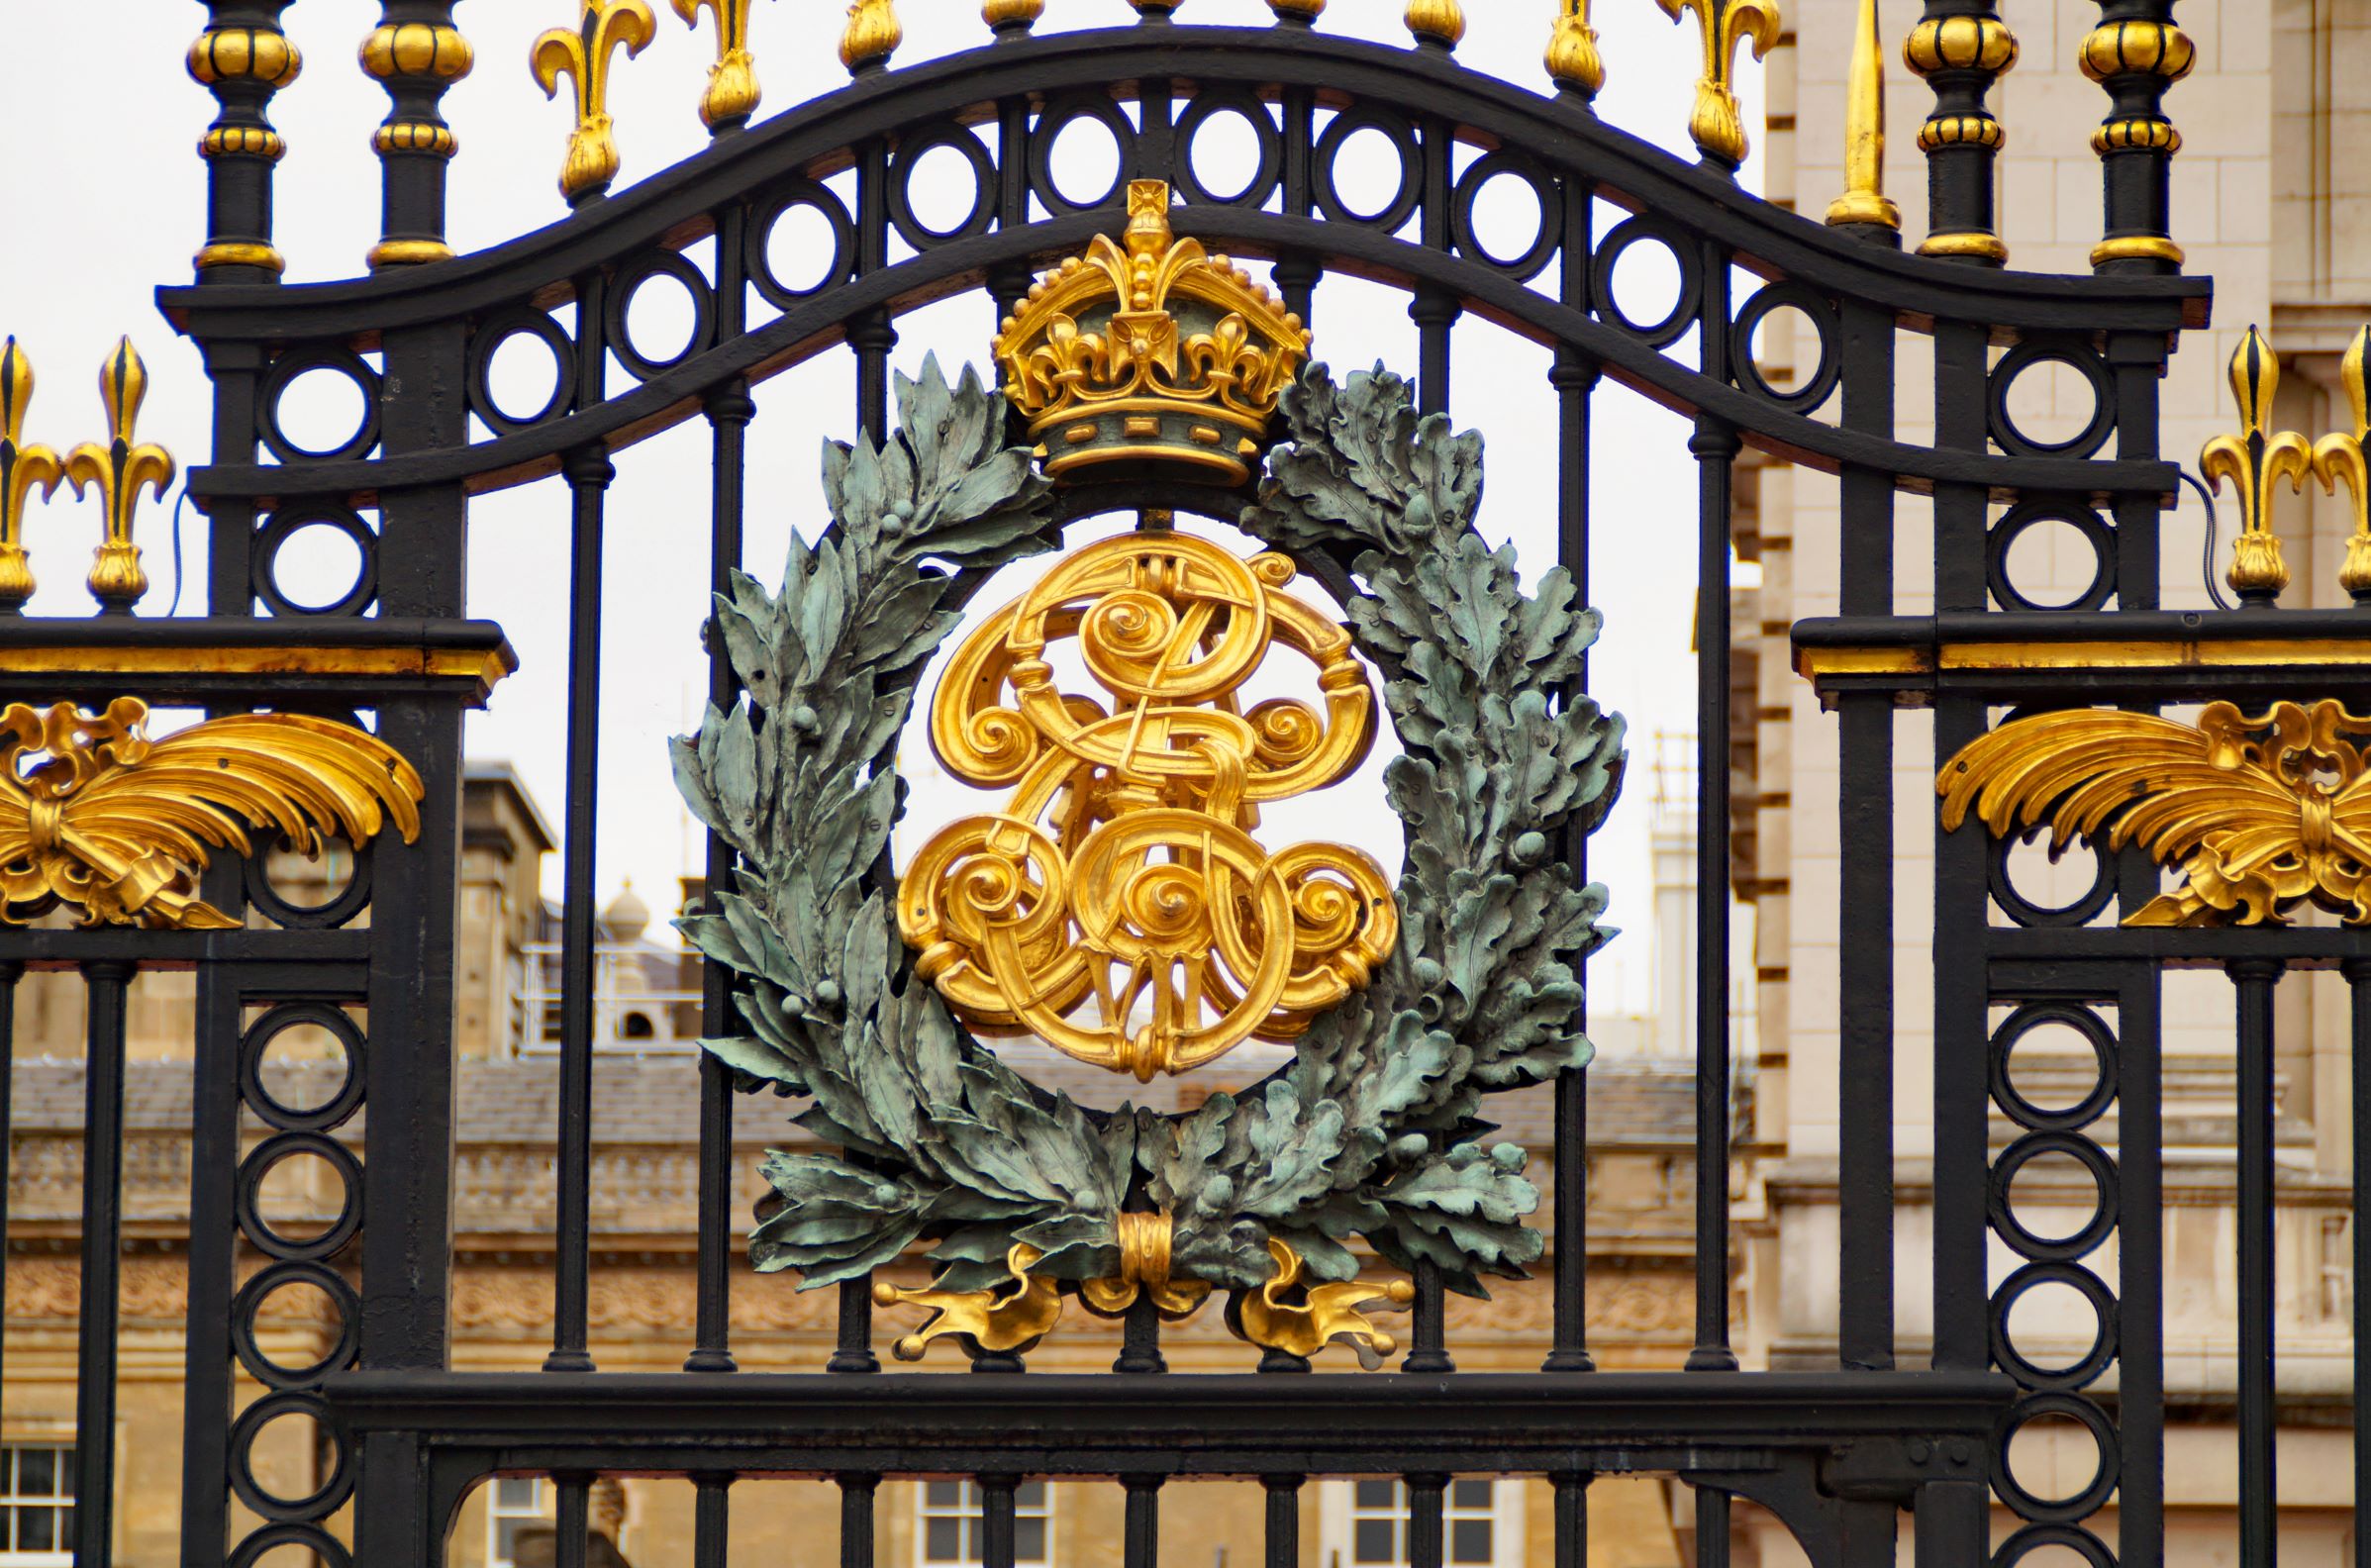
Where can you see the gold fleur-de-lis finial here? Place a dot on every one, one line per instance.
(1715, 122)
(2338, 458)
(582, 54)
(731, 94)
(118, 469)
(2253, 460)
(21, 468)
(1572, 57)
(1864, 200)
(871, 36)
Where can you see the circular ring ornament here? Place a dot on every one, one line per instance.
(1401, 137)
(286, 524)
(2085, 363)
(487, 341)
(323, 1500)
(247, 1196)
(1369, 1132)
(2034, 1537)
(283, 376)
(1529, 262)
(2023, 1239)
(2084, 521)
(1815, 307)
(759, 262)
(1046, 135)
(1675, 323)
(326, 1548)
(332, 1111)
(2095, 1100)
(2085, 1368)
(618, 312)
(911, 153)
(2086, 907)
(2083, 1502)
(1266, 174)
(249, 1301)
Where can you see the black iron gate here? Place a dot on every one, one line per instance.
(1838, 1455)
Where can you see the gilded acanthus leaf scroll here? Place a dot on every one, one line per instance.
(2260, 811)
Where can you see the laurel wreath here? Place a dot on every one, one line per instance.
(1375, 1129)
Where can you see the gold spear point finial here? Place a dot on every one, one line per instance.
(871, 36)
(1715, 124)
(2254, 460)
(1440, 21)
(732, 95)
(119, 470)
(2339, 458)
(21, 469)
(1864, 200)
(582, 54)
(1572, 57)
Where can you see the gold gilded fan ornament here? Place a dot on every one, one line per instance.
(2259, 810)
(119, 826)
(1119, 906)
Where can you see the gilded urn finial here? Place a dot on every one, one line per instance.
(1572, 57)
(583, 54)
(732, 95)
(2339, 458)
(2254, 460)
(118, 469)
(1150, 355)
(1441, 22)
(22, 470)
(872, 35)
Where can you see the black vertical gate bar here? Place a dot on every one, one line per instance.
(1571, 1514)
(1866, 839)
(1434, 311)
(2140, 1253)
(1008, 283)
(571, 1522)
(1574, 377)
(856, 1494)
(589, 473)
(997, 1527)
(1716, 447)
(1140, 1525)
(210, 1259)
(871, 336)
(1425, 1495)
(1297, 271)
(712, 1500)
(2259, 1480)
(1283, 1533)
(1712, 1528)
(1951, 1523)
(106, 985)
(730, 410)
(2358, 979)
(11, 971)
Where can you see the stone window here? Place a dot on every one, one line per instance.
(36, 1494)
(948, 1530)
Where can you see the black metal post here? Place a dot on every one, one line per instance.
(1961, 47)
(589, 473)
(2257, 980)
(997, 1527)
(2136, 54)
(2358, 980)
(243, 58)
(1571, 1506)
(857, 1496)
(106, 986)
(1424, 1497)
(11, 971)
(416, 54)
(1141, 1534)
(1283, 1531)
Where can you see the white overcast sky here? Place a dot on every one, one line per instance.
(107, 200)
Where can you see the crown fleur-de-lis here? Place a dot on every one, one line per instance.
(731, 94)
(582, 54)
(118, 469)
(871, 36)
(2338, 458)
(2253, 460)
(1572, 57)
(1723, 25)
(21, 468)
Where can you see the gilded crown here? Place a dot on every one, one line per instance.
(1149, 353)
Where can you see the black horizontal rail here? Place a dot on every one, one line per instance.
(1095, 1425)
(221, 661)
(270, 962)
